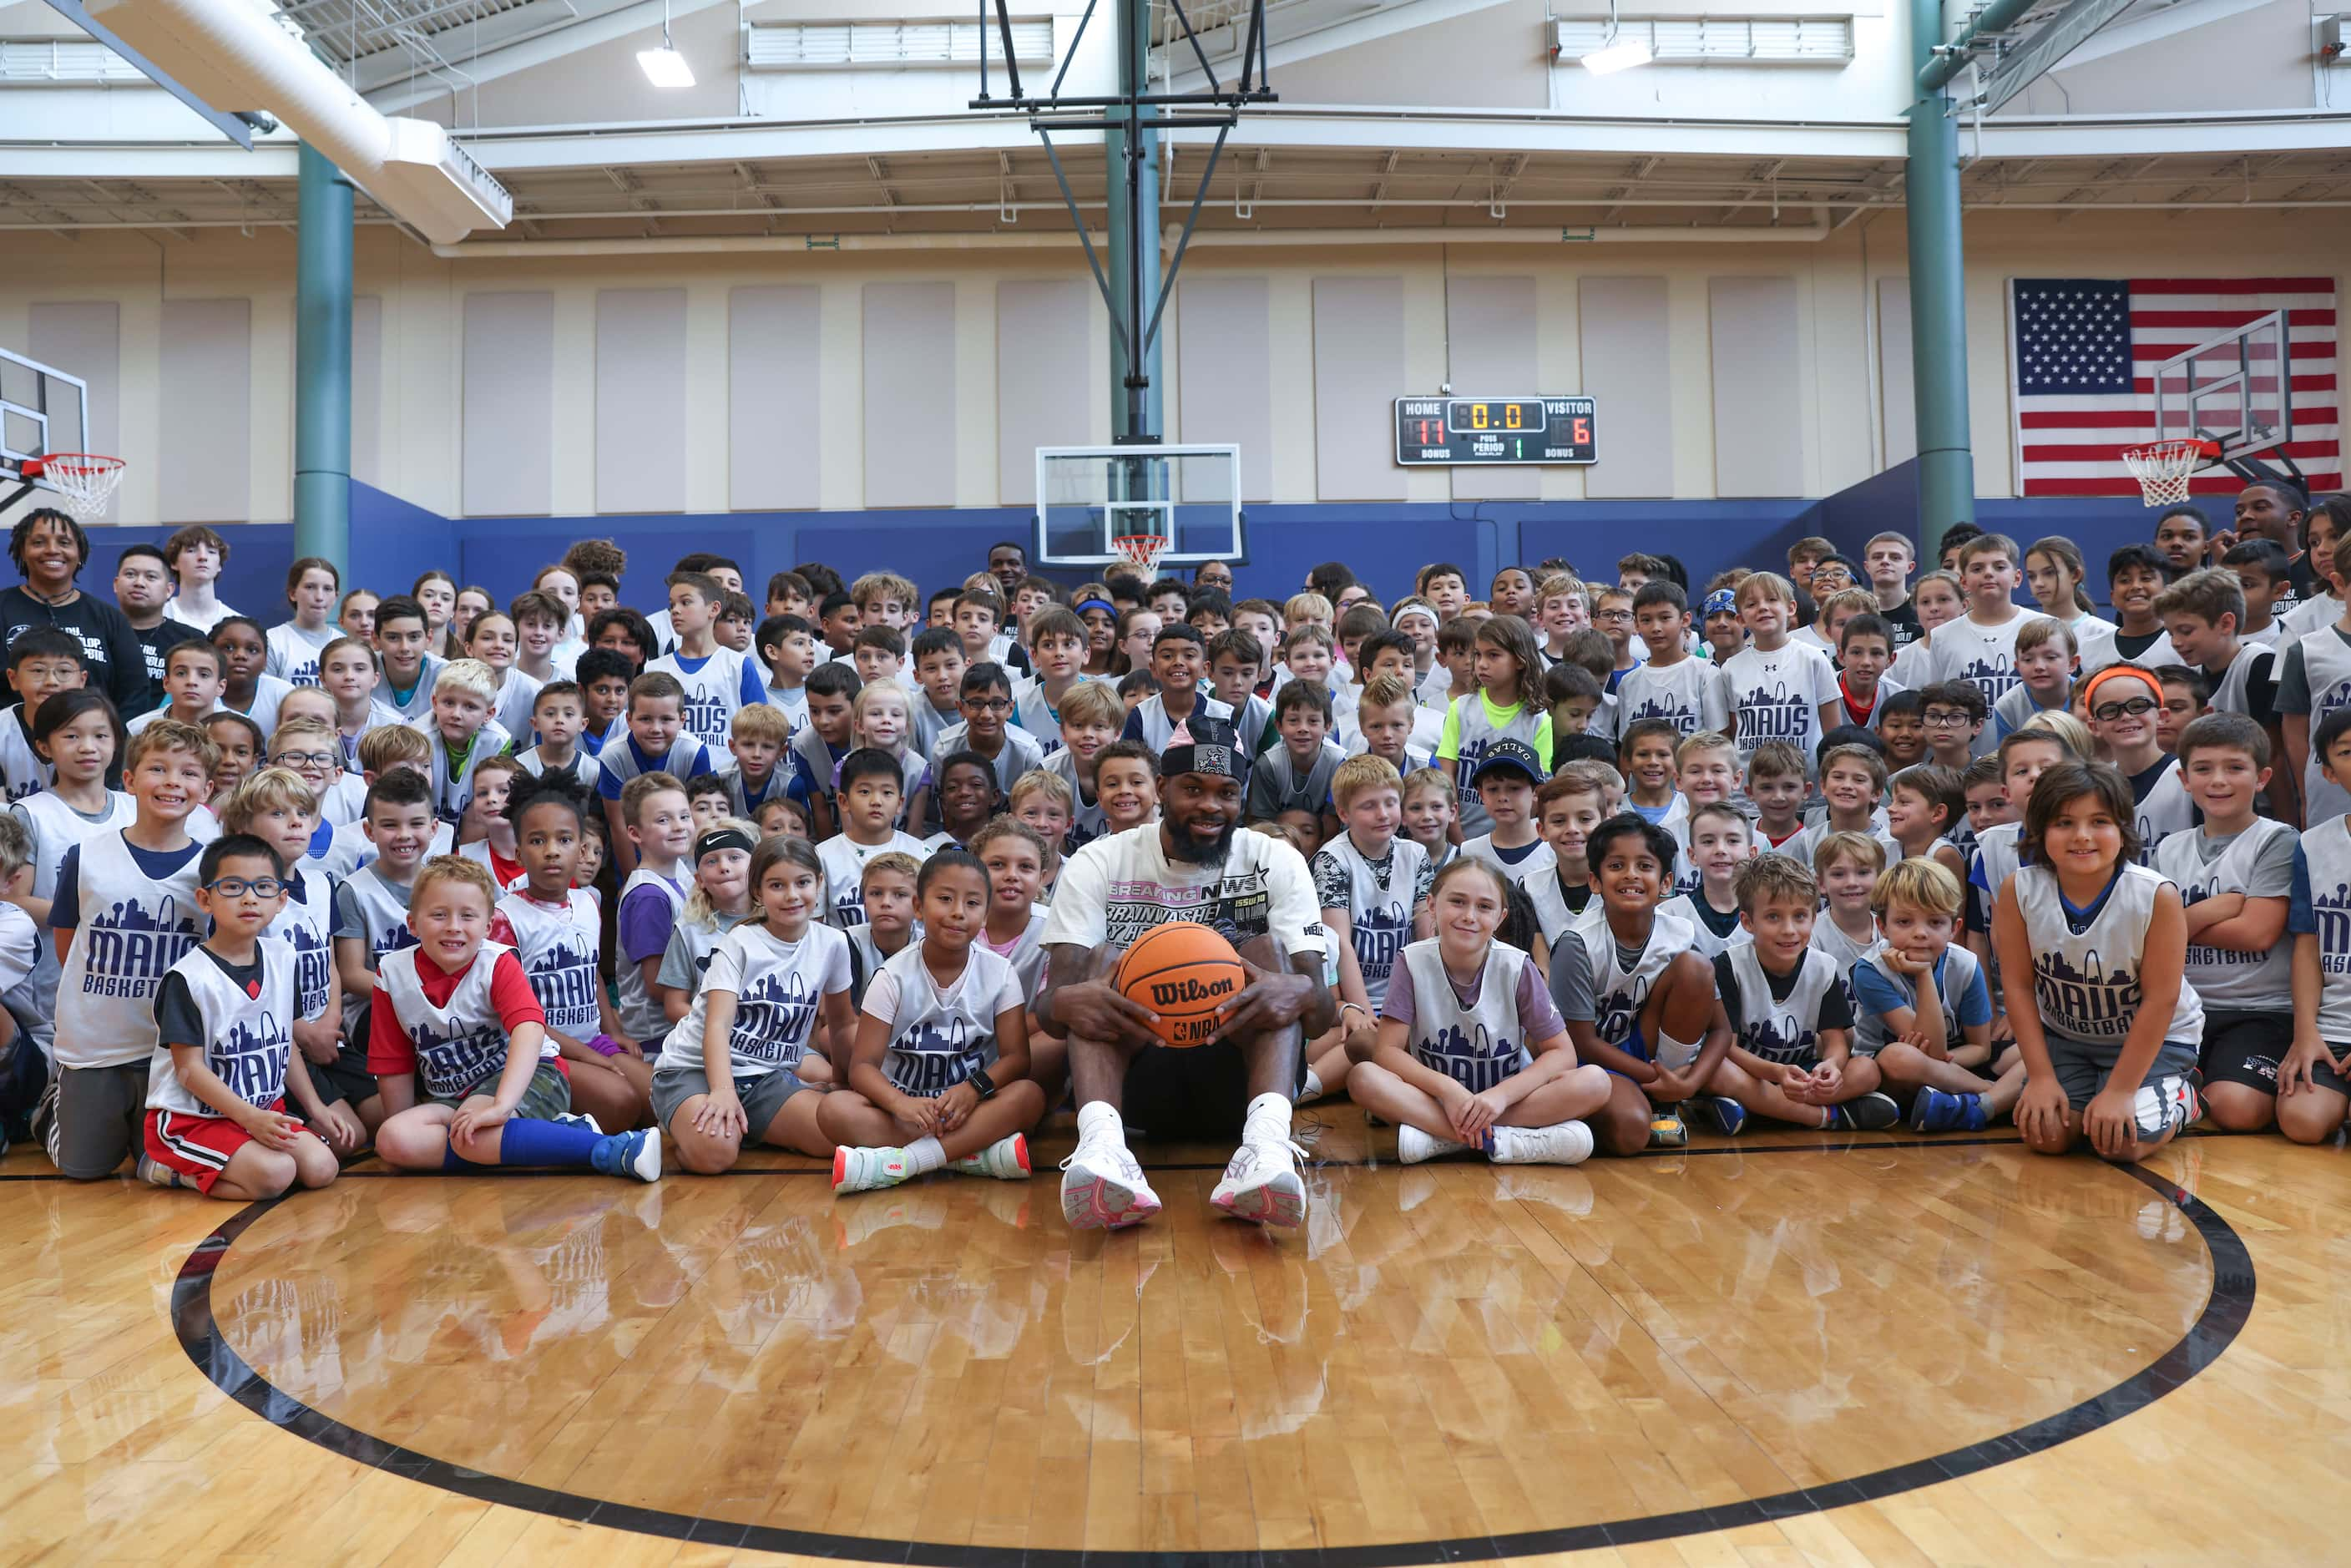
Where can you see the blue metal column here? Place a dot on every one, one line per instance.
(1938, 311)
(1135, 405)
(322, 363)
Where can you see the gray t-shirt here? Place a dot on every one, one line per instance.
(1275, 786)
(1570, 977)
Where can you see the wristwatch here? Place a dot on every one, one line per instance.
(980, 1081)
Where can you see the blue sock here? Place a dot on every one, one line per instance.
(523, 1142)
(453, 1161)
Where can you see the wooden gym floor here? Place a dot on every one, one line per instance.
(1884, 1350)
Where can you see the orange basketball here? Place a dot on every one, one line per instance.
(1183, 972)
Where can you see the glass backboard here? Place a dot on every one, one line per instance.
(1088, 496)
(2233, 390)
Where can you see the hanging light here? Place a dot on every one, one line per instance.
(665, 66)
(1615, 53)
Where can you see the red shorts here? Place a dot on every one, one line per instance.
(198, 1147)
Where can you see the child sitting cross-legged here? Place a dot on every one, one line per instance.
(937, 1078)
(455, 1018)
(1790, 1014)
(1471, 1052)
(735, 1067)
(1931, 1041)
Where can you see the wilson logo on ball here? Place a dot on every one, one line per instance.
(1173, 993)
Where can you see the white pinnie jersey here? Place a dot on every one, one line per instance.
(133, 928)
(713, 692)
(1549, 900)
(640, 1010)
(248, 1038)
(2327, 666)
(558, 947)
(1960, 970)
(22, 769)
(780, 986)
(1379, 919)
(1688, 695)
(1476, 735)
(844, 861)
(1983, 656)
(1027, 955)
(2226, 977)
(1830, 938)
(2087, 981)
(2326, 857)
(1477, 1045)
(618, 759)
(452, 786)
(56, 827)
(939, 1037)
(1087, 822)
(2228, 693)
(2168, 809)
(307, 927)
(1618, 993)
(457, 1045)
(1777, 1029)
(293, 653)
(384, 918)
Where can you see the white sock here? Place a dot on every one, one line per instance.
(1100, 1118)
(1268, 1120)
(925, 1156)
(1313, 1090)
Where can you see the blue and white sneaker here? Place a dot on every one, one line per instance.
(1729, 1116)
(636, 1155)
(1938, 1111)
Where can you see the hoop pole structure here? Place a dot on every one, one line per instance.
(322, 362)
(1132, 147)
(1938, 308)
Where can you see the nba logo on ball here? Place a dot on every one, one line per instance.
(1183, 972)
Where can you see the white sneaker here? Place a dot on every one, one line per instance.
(1413, 1145)
(1567, 1143)
(1103, 1187)
(1261, 1184)
(1007, 1159)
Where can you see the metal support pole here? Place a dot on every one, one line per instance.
(322, 363)
(1939, 314)
(1132, 162)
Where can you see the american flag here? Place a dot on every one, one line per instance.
(2083, 359)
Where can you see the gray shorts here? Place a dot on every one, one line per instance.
(763, 1095)
(547, 1096)
(97, 1119)
(2082, 1069)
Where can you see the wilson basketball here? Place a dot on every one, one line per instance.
(1183, 972)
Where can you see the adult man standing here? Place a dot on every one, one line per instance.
(1191, 864)
(142, 586)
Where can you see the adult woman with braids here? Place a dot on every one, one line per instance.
(50, 550)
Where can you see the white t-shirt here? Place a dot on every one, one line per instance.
(1778, 696)
(1984, 656)
(1120, 886)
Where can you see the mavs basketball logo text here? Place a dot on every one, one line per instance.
(131, 950)
(1775, 714)
(2098, 1005)
(772, 1020)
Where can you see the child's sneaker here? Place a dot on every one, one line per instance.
(1940, 1110)
(1667, 1131)
(1007, 1159)
(155, 1173)
(1871, 1112)
(1729, 1115)
(636, 1155)
(1413, 1145)
(1566, 1144)
(866, 1170)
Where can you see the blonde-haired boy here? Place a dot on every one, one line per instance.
(1373, 885)
(1933, 1038)
(461, 732)
(756, 738)
(1092, 717)
(313, 748)
(1778, 689)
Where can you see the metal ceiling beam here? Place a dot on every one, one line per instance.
(2061, 36)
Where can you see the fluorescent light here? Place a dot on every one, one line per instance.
(1618, 57)
(665, 66)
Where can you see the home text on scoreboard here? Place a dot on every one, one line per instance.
(1439, 430)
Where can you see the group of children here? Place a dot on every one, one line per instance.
(553, 885)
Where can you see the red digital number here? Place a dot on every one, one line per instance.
(1579, 431)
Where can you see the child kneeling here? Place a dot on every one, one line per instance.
(938, 1077)
(1472, 1052)
(456, 1013)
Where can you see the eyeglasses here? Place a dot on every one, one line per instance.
(238, 886)
(1947, 720)
(1611, 616)
(2131, 708)
(989, 704)
(303, 759)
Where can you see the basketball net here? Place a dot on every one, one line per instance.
(1140, 551)
(85, 479)
(2163, 470)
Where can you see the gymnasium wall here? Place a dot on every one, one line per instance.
(700, 385)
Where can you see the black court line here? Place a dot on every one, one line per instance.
(2208, 1338)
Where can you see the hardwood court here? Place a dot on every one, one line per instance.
(1884, 1350)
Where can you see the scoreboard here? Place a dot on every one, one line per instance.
(1438, 431)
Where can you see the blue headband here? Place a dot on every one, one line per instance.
(1104, 605)
(1721, 603)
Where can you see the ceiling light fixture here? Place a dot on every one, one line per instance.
(665, 66)
(1616, 53)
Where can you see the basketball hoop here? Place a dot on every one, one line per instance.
(86, 480)
(1140, 551)
(2163, 470)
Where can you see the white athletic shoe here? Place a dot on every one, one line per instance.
(1103, 1187)
(1567, 1143)
(1413, 1145)
(1261, 1184)
(866, 1169)
(1007, 1159)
